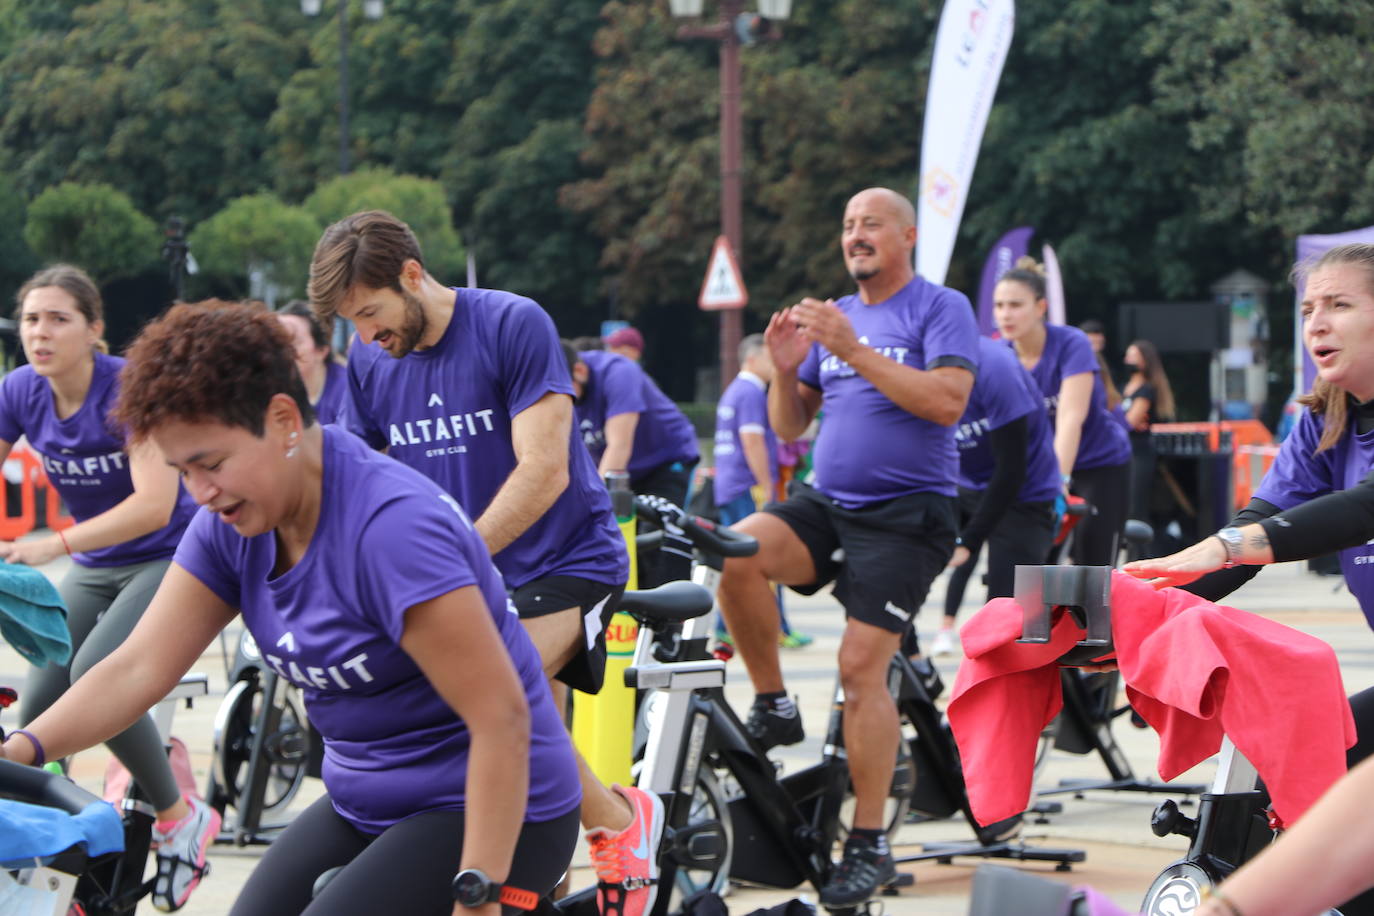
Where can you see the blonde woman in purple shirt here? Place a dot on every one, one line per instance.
(367, 587)
(130, 513)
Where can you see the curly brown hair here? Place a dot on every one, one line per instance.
(211, 361)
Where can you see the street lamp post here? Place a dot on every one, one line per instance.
(731, 30)
(372, 9)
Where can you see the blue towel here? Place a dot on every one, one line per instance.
(29, 832)
(33, 617)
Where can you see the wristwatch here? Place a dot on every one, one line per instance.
(1233, 541)
(472, 889)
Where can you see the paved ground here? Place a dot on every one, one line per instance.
(1113, 828)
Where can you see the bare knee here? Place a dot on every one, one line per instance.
(865, 654)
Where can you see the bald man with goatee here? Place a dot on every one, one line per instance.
(893, 364)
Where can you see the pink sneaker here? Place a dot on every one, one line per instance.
(626, 863)
(181, 855)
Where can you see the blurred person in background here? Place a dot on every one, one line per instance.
(326, 381)
(1093, 451)
(746, 456)
(626, 342)
(1148, 399)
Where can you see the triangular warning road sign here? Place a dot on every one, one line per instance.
(723, 287)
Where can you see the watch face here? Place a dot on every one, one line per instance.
(470, 888)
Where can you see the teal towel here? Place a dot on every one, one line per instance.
(33, 617)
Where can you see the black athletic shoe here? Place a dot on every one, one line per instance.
(770, 729)
(860, 873)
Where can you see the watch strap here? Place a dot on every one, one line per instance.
(520, 899)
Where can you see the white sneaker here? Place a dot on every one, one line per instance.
(181, 856)
(943, 644)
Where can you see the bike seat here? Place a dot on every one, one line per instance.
(1085, 592)
(674, 602)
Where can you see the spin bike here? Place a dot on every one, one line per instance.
(111, 884)
(776, 830)
(1233, 822)
(263, 748)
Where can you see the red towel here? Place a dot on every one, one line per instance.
(1193, 670)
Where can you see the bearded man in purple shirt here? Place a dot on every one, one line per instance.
(470, 387)
(892, 366)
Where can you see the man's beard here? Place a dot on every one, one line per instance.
(413, 327)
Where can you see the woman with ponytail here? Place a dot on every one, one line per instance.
(1091, 447)
(130, 512)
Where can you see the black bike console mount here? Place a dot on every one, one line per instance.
(1046, 593)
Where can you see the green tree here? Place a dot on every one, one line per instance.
(93, 226)
(167, 100)
(257, 232)
(829, 110)
(418, 201)
(1276, 94)
(19, 261)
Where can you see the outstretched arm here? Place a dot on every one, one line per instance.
(182, 619)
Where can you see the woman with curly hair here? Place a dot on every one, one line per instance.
(366, 586)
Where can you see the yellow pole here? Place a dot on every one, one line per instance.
(604, 724)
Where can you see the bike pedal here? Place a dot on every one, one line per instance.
(894, 887)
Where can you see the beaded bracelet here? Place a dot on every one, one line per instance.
(1215, 893)
(39, 758)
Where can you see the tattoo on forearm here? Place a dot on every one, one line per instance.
(1259, 541)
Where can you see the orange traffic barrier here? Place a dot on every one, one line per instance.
(31, 478)
(15, 526)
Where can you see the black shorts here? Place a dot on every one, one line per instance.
(597, 601)
(893, 550)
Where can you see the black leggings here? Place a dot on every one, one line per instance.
(408, 869)
(1022, 537)
(1097, 537)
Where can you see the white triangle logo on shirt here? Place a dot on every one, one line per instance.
(288, 640)
(435, 399)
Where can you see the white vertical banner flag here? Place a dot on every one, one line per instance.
(970, 47)
(1054, 287)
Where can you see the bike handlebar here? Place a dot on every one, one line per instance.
(704, 534)
(39, 787)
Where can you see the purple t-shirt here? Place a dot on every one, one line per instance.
(1103, 442)
(868, 448)
(1299, 474)
(1003, 392)
(446, 411)
(386, 540)
(84, 457)
(617, 385)
(331, 398)
(742, 408)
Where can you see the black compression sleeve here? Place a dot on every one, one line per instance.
(1217, 585)
(1324, 525)
(1008, 444)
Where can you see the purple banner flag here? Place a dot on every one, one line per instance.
(1001, 259)
(1311, 247)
